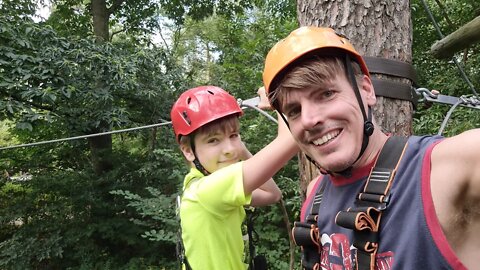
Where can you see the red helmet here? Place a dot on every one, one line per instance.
(199, 106)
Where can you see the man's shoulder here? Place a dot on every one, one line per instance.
(423, 141)
(459, 145)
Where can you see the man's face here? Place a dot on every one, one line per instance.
(326, 121)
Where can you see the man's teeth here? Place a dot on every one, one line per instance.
(325, 138)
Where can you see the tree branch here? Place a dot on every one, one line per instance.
(115, 6)
(31, 103)
(117, 32)
(460, 39)
(163, 39)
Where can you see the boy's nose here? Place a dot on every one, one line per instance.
(228, 147)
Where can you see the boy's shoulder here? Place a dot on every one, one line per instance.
(233, 171)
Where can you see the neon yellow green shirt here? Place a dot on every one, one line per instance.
(211, 216)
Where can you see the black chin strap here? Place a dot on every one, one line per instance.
(368, 127)
(367, 120)
(196, 162)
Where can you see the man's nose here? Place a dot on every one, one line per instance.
(310, 115)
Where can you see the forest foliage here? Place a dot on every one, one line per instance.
(57, 80)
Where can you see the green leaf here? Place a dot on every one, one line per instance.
(24, 125)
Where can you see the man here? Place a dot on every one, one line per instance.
(432, 218)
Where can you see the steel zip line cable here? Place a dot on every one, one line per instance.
(440, 34)
(83, 136)
(249, 103)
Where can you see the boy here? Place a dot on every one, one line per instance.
(223, 178)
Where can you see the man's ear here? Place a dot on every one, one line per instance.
(367, 88)
(187, 152)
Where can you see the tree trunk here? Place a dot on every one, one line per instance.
(100, 20)
(101, 146)
(376, 28)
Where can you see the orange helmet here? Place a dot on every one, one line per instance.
(300, 42)
(199, 106)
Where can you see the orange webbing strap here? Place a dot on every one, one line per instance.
(364, 217)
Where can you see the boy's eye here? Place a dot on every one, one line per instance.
(212, 140)
(234, 135)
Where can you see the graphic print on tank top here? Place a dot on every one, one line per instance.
(339, 254)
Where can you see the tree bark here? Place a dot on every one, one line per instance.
(376, 28)
(101, 146)
(100, 20)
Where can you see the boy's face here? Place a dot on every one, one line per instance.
(326, 120)
(217, 149)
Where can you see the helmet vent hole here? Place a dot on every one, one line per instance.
(187, 119)
(189, 99)
(210, 92)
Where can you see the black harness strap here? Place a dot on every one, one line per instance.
(390, 88)
(255, 262)
(306, 234)
(180, 248)
(251, 246)
(391, 67)
(364, 217)
(395, 90)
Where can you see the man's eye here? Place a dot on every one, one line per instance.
(328, 93)
(292, 113)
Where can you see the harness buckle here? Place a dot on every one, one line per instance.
(379, 202)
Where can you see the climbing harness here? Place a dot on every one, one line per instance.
(179, 248)
(306, 234)
(255, 262)
(363, 218)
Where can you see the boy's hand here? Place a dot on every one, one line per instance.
(264, 104)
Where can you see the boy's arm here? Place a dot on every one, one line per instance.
(266, 194)
(258, 169)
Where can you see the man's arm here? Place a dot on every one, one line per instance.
(460, 155)
(455, 187)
